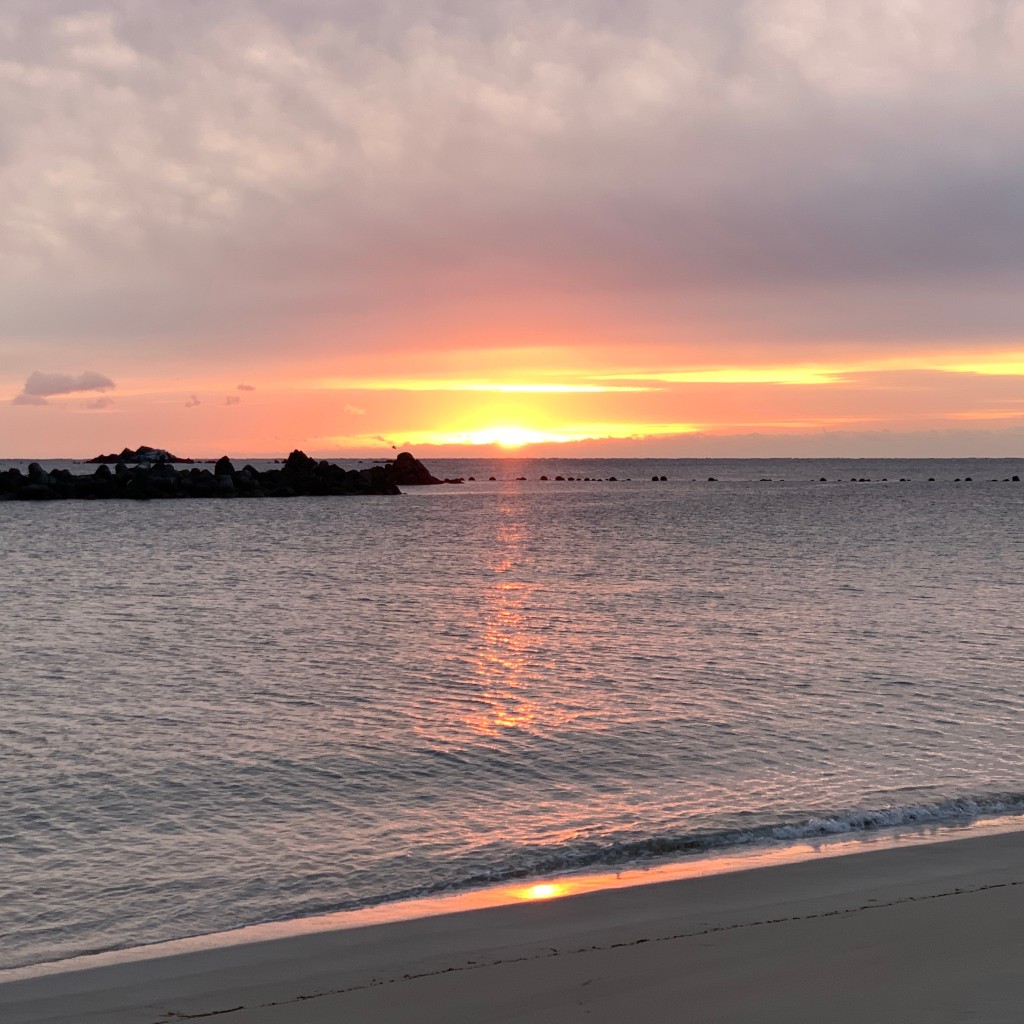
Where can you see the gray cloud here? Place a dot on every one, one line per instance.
(99, 403)
(47, 384)
(40, 386)
(264, 162)
(246, 387)
(232, 400)
(192, 402)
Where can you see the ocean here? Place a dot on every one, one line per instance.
(218, 713)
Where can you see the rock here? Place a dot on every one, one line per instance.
(224, 485)
(224, 467)
(144, 453)
(407, 471)
(36, 492)
(299, 462)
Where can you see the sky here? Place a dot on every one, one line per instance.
(580, 227)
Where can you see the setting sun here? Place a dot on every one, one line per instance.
(511, 437)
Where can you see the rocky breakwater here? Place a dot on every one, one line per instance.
(299, 475)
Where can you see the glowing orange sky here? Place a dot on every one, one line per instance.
(700, 229)
(537, 411)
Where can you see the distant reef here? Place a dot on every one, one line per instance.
(297, 475)
(141, 454)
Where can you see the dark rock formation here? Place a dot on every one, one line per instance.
(299, 475)
(409, 472)
(141, 454)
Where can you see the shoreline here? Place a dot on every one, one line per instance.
(304, 965)
(557, 885)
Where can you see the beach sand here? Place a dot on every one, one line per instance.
(920, 933)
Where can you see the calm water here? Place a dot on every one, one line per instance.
(218, 713)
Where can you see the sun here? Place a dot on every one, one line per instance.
(506, 436)
(516, 437)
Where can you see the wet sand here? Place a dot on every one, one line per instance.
(921, 933)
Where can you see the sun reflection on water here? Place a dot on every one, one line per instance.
(500, 692)
(543, 891)
(501, 662)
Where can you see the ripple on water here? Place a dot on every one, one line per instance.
(220, 713)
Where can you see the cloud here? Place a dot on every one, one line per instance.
(294, 160)
(40, 386)
(46, 384)
(354, 410)
(232, 400)
(246, 387)
(26, 399)
(192, 402)
(98, 403)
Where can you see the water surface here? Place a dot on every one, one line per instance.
(223, 712)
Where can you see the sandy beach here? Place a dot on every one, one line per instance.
(923, 933)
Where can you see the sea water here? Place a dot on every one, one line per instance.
(216, 713)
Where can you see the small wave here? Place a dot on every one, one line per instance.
(576, 857)
(545, 861)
